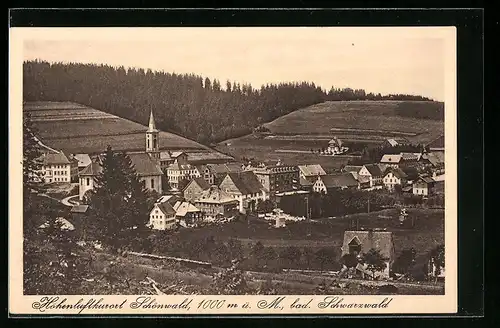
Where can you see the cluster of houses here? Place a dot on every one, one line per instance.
(191, 191)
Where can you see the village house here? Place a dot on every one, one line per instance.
(358, 242)
(87, 179)
(217, 172)
(434, 161)
(180, 170)
(205, 174)
(392, 160)
(215, 202)
(423, 186)
(278, 178)
(394, 177)
(194, 188)
(246, 188)
(310, 172)
(162, 217)
(373, 173)
(411, 159)
(57, 167)
(336, 146)
(328, 182)
(187, 214)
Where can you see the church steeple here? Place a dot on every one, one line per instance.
(152, 139)
(152, 125)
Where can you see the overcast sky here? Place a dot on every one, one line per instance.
(381, 60)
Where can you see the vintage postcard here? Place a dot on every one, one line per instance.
(251, 170)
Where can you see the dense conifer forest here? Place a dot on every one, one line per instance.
(206, 110)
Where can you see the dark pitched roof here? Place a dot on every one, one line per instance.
(437, 143)
(426, 179)
(166, 208)
(51, 158)
(305, 182)
(200, 182)
(91, 169)
(144, 165)
(411, 172)
(379, 240)
(374, 170)
(339, 180)
(246, 182)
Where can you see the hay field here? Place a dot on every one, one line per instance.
(75, 128)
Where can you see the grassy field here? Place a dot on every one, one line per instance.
(176, 279)
(428, 233)
(74, 128)
(357, 123)
(374, 115)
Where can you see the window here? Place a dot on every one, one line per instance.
(152, 183)
(88, 181)
(148, 142)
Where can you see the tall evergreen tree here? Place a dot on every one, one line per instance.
(119, 201)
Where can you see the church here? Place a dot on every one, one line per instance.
(146, 164)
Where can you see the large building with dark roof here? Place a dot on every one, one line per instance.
(245, 187)
(146, 164)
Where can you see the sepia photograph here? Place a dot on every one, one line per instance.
(235, 161)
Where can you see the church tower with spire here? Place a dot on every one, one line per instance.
(152, 139)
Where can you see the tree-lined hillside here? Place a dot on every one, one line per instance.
(196, 107)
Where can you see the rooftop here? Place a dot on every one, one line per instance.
(166, 208)
(246, 182)
(51, 158)
(91, 170)
(144, 165)
(200, 182)
(312, 170)
(214, 195)
(368, 239)
(374, 170)
(183, 208)
(339, 180)
(391, 158)
(83, 159)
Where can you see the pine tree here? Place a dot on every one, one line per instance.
(120, 203)
(31, 164)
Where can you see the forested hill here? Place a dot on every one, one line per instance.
(198, 108)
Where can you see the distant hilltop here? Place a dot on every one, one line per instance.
(202, 109)
(75, 128)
